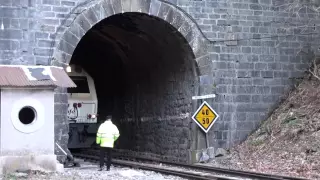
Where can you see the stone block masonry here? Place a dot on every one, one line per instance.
(252, 74)
(268, 46)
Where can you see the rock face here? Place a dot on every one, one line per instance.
(249, 73)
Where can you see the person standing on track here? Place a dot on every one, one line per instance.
(107, 134)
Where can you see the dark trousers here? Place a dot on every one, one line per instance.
(103, 151)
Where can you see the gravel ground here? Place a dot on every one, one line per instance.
(89, 171)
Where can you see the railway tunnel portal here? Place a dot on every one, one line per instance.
(146, 65)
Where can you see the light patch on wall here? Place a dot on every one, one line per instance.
(38, 73)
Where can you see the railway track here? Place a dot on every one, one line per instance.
(188, 175)
(207, 171)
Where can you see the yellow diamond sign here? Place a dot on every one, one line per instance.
(205, 116)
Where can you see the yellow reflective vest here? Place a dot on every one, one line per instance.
(107, 134)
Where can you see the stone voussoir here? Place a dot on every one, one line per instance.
(140, 6)
(163, 10)
(199, 47)
(91, 16)
(204, 60)
(71, 38)
(107, 8)
(97, 11)
(177, 19)
(154, 7)
(77, 31)
(83, 23)
(125, 5)
(60, 57)
(65, 47)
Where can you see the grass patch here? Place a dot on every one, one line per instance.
(257, 142)
(289, 120)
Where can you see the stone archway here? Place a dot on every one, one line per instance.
(95, 12)
(92, 13)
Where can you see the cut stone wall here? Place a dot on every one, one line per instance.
(251, 75)
(248, 75)
(158, 105)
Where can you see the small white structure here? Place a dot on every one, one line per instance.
(27, 117)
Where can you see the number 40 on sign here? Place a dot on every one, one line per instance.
(205, 116)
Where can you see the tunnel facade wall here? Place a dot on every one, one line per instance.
(258, 48)
(156, 115)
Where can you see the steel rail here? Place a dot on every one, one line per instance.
(183, 174)
(240, 173)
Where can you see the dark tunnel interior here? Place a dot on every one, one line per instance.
(144, 73)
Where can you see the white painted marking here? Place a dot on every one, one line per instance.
(208, 96)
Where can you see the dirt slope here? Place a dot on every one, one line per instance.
(288, 143)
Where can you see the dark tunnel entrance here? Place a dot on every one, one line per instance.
(144, 74)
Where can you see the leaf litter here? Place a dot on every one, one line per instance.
(288, 142)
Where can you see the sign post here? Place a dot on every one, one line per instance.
(205, 116)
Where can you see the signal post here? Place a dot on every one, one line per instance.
(205, 117)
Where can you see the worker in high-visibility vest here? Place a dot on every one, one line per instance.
(107, 134)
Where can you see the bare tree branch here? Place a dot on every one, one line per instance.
(315, 69)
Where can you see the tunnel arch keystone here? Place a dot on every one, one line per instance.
(93, 13)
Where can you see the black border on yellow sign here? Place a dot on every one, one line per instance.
(213, 121)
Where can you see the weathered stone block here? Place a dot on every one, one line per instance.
(60, 9)
(154, 7)
(267, 74)
(83, 22)
(199, 47)
(245, 90)
(277, 89)
(11, 34)
(70, 38)
(60, 98)
(66, 48)
(60, 90)
(263, 90)
(270, 98)
(5, 44)
(186, 26)
(68, 3)
(140, 6)
(107, 8)
(60, 109)
(6, 3)
(258, 81)
(242, 98)
(90, 16)
(204, 60)
(164, 10)
(119, 6)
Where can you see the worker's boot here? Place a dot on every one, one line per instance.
(108, 169)
(100, 169)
